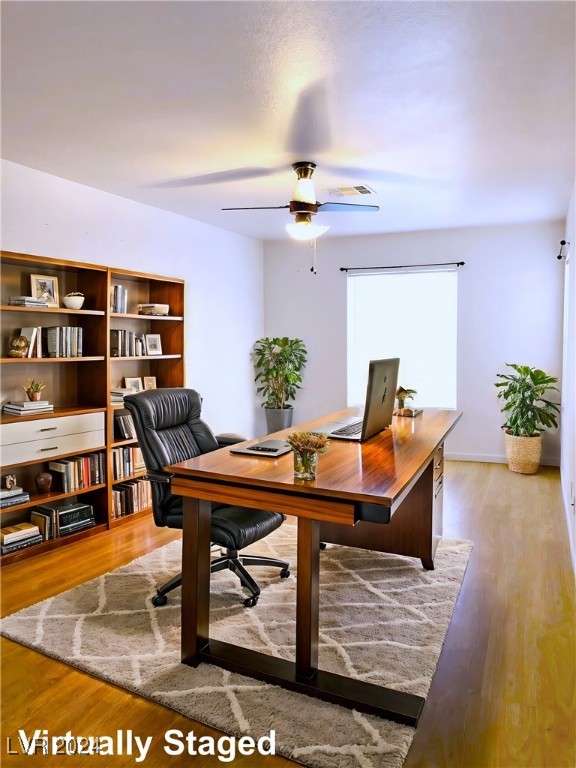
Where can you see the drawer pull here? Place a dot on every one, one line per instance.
(54, 448)
(437, 466)
(49, 429)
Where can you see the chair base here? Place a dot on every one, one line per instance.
(235, 562)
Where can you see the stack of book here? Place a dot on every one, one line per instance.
(10, 497)
(117, 395)
(28, 407)
(28, 301)
(20, 536)
(79, 472)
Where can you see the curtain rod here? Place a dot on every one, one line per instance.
(405, 266)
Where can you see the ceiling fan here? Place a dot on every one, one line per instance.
(304, 205)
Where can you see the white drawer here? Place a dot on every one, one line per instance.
(47, 449)
(39, 429)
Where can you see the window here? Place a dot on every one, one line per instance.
(413, 316)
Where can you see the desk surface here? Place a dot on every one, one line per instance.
(379, 471)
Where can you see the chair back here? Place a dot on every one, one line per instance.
(169, 430)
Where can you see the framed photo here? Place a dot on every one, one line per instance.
(133, 383)
(149, 382)
(45, 286)
(153, 344)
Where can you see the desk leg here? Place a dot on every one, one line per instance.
(195, 579)
(307, 598)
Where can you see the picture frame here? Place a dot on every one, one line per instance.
(45, 285)
(149, 382)
(133, 382)
(153, 344)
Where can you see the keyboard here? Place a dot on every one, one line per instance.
(349, 429)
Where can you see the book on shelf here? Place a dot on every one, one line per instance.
(126, 344)
(5, 493)
(12, 501)
(79, 472)
(118, 299)
(30, 334)
(117, 395)
(45, 523)
(17, 410)
(123, 424)
(28, 301)
(29, 404)
(17, 532)
(6, 549)
(62, 340)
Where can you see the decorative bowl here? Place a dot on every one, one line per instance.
(73, 302)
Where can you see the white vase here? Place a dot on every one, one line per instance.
(73, 302)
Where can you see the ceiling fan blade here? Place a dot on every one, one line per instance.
(220, 177)
(257, 208)
(309, 130)
(348, 206)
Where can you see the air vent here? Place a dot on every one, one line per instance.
(359, 189)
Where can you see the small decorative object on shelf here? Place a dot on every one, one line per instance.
(134, 383)
(9, 482)
(401, 396)
(45, 288)
(306, 447)
(34, 389)
(153, 344)
(149, 382)
(44, 482)
(18, 347)
(74, 300)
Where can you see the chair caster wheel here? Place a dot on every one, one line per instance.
(250, 602)
(284, 573)
(159, 600)
(322, 545)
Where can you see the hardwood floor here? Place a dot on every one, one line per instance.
(503, 695)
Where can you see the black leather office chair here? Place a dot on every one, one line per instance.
(169, 430)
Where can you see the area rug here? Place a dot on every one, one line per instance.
(383, 619)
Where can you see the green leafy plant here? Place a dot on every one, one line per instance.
(34, 386)
(404, 394)
(278, 363)
(526, 408)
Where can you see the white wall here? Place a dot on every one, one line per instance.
(49, 216)
(568, 415)
(510, 310)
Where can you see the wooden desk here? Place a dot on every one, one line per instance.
(357, 486)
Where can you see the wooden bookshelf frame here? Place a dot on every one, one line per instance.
(83, 385)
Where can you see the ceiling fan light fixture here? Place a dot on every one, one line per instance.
(304, 191)
(304, 229)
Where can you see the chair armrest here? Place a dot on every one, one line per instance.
(159, 476)
(229, 438)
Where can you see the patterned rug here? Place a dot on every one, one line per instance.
(383, 619)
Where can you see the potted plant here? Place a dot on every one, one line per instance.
(278, 363)
(528, 412)
(34, 389)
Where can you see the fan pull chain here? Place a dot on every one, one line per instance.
(313, 246)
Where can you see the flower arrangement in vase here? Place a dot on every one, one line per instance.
(306, 447)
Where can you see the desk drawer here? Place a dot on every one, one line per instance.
(47, 449)
(40, 429)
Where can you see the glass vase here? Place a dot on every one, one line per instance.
(305, 464)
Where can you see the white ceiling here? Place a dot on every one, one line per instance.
(456, 113)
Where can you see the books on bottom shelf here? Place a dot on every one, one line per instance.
(28, 407)
(60, 519)
(19, 536)
(131, 496)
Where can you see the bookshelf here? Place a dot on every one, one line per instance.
(79, 387)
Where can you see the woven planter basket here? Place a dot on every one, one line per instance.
(523, 453)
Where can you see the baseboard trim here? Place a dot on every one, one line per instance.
(494, 458)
